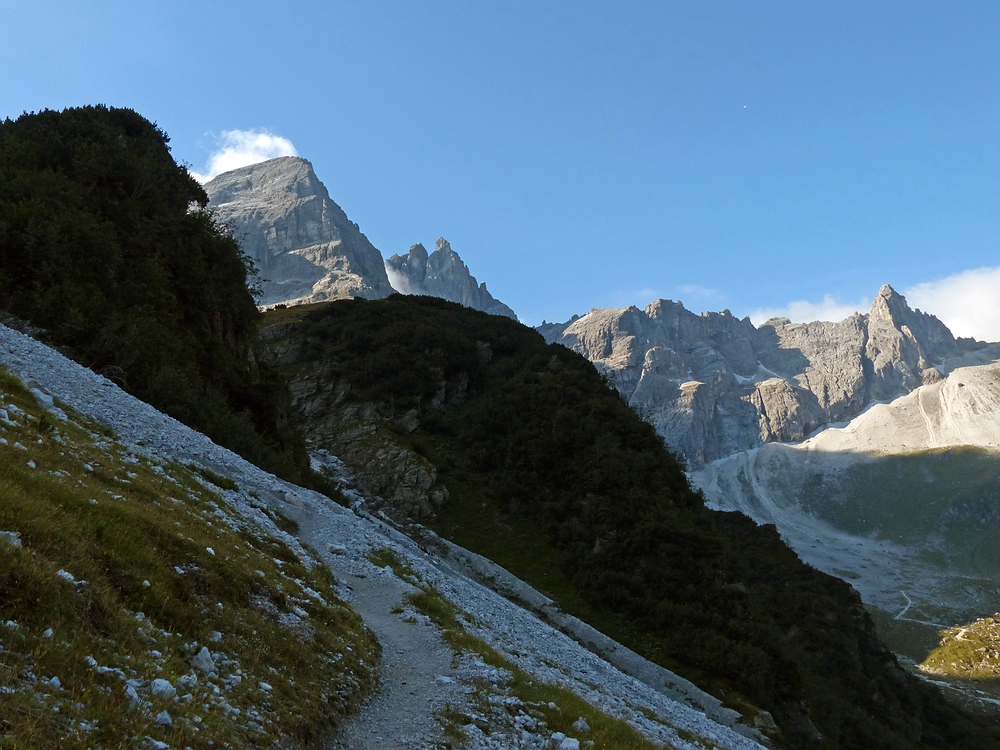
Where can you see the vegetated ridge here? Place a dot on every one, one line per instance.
(509, 681)
(106, 246)
(551, 474)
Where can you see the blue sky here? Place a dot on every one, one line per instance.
(576, 154)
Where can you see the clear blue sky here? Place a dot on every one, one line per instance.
(581, 154)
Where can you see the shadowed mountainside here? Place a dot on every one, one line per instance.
(105, 246)
(549, 473)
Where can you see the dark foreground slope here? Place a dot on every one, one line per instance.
(551, 474)
(103, 244)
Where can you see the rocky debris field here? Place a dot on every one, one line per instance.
(414, 602)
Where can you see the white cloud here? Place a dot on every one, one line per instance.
(967, 302)
(241, 148)
(802, 311)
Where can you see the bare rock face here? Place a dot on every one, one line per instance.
(305, 247)
(714, 385)
(442, 274)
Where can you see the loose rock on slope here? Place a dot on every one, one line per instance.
(543, 653)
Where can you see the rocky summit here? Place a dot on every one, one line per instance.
(304, 245)
(714, 385)
(442, 274)
(307, 249)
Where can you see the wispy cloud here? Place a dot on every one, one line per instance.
(803, 311)
(638, 297)
(968, 302)
(240, 148)
(698, 292)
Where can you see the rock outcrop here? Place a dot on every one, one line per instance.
(305, 247)
(714, 385)
(442, 274)
(396, 480)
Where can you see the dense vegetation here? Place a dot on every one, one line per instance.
(103, 244)
(552, 475)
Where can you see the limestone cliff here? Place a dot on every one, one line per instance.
(305, 247)
(714, 385)
(442, 274)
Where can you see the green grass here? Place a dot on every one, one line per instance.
(225, 483)
(969, 651)
(166, 567)
(945, 502)
(387, 557)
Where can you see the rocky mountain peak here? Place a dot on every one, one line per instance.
(304, 245)
(308, 250)
(903, 345)
(442, 274)
(715, 385)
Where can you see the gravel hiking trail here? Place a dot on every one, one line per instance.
(417, 677)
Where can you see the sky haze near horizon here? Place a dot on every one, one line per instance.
(582, 155)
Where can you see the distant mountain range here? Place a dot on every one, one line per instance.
(307, 249)
(714, 385)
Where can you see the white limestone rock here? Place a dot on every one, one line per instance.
(304, 245)
(442, 274)
(203, 660)
(714, 385)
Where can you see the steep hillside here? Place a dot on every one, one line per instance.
(140, 608)
(524, 454)
(98, 508)
(714, 385)
(104, 246)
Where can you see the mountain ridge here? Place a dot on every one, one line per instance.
(442, 274)
(715, 385)
(307, 250)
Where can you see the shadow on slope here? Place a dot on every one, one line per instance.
(553, 476)
(914, 532)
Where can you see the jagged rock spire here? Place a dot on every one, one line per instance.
(442, 274)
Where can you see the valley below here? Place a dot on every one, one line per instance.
(903, 502)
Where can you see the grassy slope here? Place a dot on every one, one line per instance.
(123, 527)
(945, 502)
(556, 479)
(971, 651)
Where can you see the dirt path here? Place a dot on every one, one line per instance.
(416, 668)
